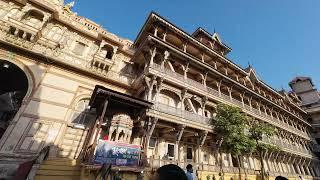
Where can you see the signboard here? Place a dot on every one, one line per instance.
(117, 154)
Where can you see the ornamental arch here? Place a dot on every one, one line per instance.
(16, 86)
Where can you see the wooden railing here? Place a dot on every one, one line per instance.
(88, 154)
(198, 85)
(181, 113)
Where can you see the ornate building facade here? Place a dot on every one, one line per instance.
(305, 90)
(52, 59)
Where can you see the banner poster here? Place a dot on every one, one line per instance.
(117, 154)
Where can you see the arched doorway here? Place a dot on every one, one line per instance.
(13, 88)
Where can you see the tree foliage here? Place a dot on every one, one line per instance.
(230, 125)
(239, 135)
(257, 132)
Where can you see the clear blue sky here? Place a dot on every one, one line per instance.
(280, 38)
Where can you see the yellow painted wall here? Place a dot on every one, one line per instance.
(204, 175)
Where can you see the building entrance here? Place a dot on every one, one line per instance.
(13, 88)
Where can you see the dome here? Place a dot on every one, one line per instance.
(122, 120)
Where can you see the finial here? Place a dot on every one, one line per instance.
(214, 32)
(69, 6)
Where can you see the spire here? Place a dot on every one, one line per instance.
(68, 7)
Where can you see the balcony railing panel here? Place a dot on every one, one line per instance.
(209, 90)
(181, 113)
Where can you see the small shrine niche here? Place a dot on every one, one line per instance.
(121, 128)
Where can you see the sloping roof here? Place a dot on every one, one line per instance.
(252, 74)
(214, 36)
(101, 93)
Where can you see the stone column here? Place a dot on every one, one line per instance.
(200, 143)
(117, 135)
(242, 101)
(229, 160)
(183, 97)
(251, 163)
(152, 52)
(250, 102)
(158, 88)
(205, 79)
(180, 157)
(219, 87)
(185, 47)
(203, 104)
(165, 58)
(164, 36)
(230, 92)
(185, 71)
(150, 82)
(111, 129)
(197, 155)
(155, 33)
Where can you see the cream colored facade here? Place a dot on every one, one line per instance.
(304, 88)
(64, 56)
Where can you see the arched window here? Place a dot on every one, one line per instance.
(169, 98)
(107, 51)
(33, 18)
(81, 115)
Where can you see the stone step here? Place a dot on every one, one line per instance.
(61, 159)
(41, 177)
(59, 167)
(61, 162)
(51, 172)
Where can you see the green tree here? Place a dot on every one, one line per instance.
(259, 131)
(230, 124)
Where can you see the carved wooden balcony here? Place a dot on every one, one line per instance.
(181, 113)
(178, 78)
(289, 147)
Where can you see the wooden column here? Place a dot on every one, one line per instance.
(97, 127)
(178, 138)
(152, 124)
